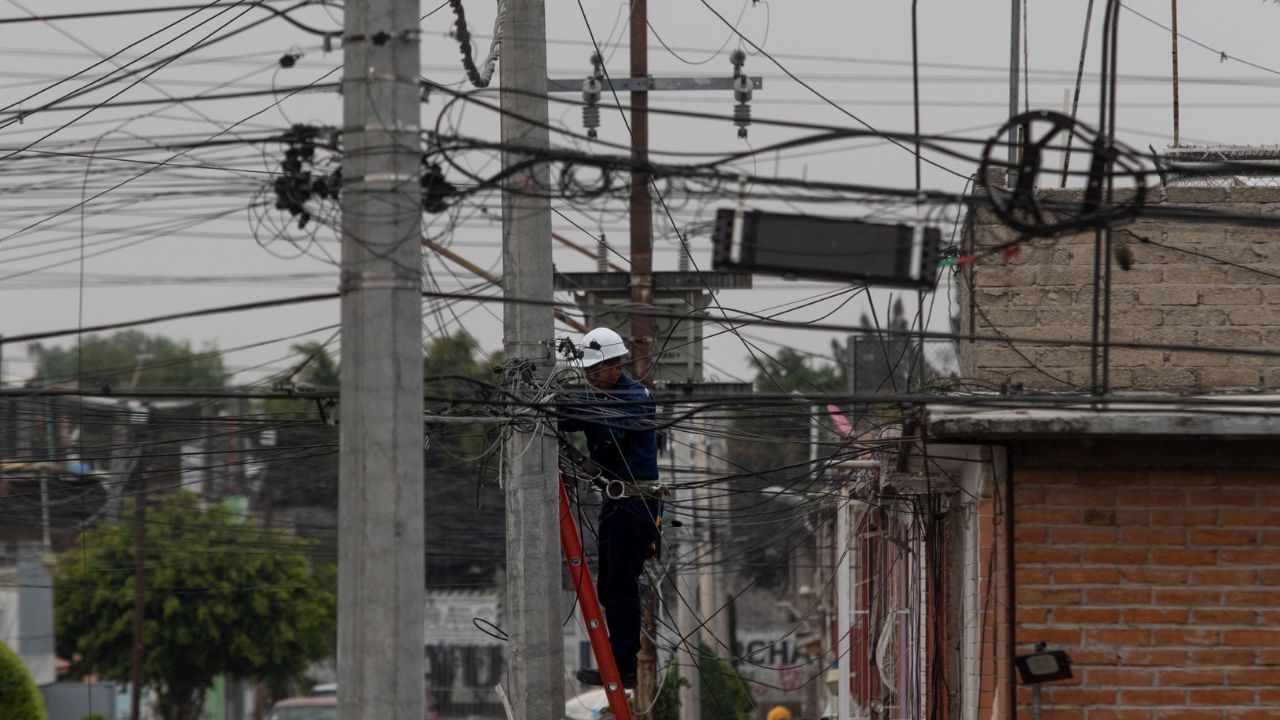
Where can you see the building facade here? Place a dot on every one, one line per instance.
(1128, 514)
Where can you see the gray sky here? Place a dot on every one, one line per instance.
(856, 53)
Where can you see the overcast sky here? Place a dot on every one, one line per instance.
(178, 239)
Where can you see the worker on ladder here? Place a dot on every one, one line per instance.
(617, 417)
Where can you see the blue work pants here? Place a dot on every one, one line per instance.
(628, 534)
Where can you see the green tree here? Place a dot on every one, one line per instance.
(129, 358)
(888, 363)
(456, 354)
(321, 369)
(772, 443)
(222, 597)
(455, 370)
(793, 371)
(667, 704)
(19, 697)
(881, 365)
(723, 694)
(463, 501)
(314, 366)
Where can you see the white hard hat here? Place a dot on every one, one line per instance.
(601, 344)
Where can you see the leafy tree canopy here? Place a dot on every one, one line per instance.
(667, 704)
(792, 371)
(724, 694)
(459, 354)
(320, 367)
(315, 365)
(129, 358)
(222, 597)
(462, 496)
(19, 697)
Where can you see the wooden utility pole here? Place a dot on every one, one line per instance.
(380, 468)
(533, 614)
(641, 203)
(641, 322)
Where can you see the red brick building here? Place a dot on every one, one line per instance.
(1140, 534)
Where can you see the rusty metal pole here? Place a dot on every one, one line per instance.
(642, 300)
(641, 204)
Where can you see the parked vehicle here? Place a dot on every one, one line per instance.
(590, 705)
(321, 704)
(316, 707)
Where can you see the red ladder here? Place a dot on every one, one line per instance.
(571, 541)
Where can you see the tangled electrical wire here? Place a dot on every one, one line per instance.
(300, 181)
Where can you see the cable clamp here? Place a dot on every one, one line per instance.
(382, 37)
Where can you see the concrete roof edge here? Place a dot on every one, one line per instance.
(1220, 417)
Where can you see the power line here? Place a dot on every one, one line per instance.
(1222, 54)
(218, 310)
(169, 101)
(815, 91)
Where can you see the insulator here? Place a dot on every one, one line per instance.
(591, 119)
(742, 118)
(742, 89)
(591, 89)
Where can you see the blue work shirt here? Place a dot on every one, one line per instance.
(620, 430)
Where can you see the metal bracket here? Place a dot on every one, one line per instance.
(647, 84)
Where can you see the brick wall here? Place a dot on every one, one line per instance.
(1163, 585)
(1171, 297)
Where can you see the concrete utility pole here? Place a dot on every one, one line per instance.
(687, 612)
(715, 526)
(535, 664)
(380, 468)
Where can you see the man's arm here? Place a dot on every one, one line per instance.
(632, 412)
(573, 413)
